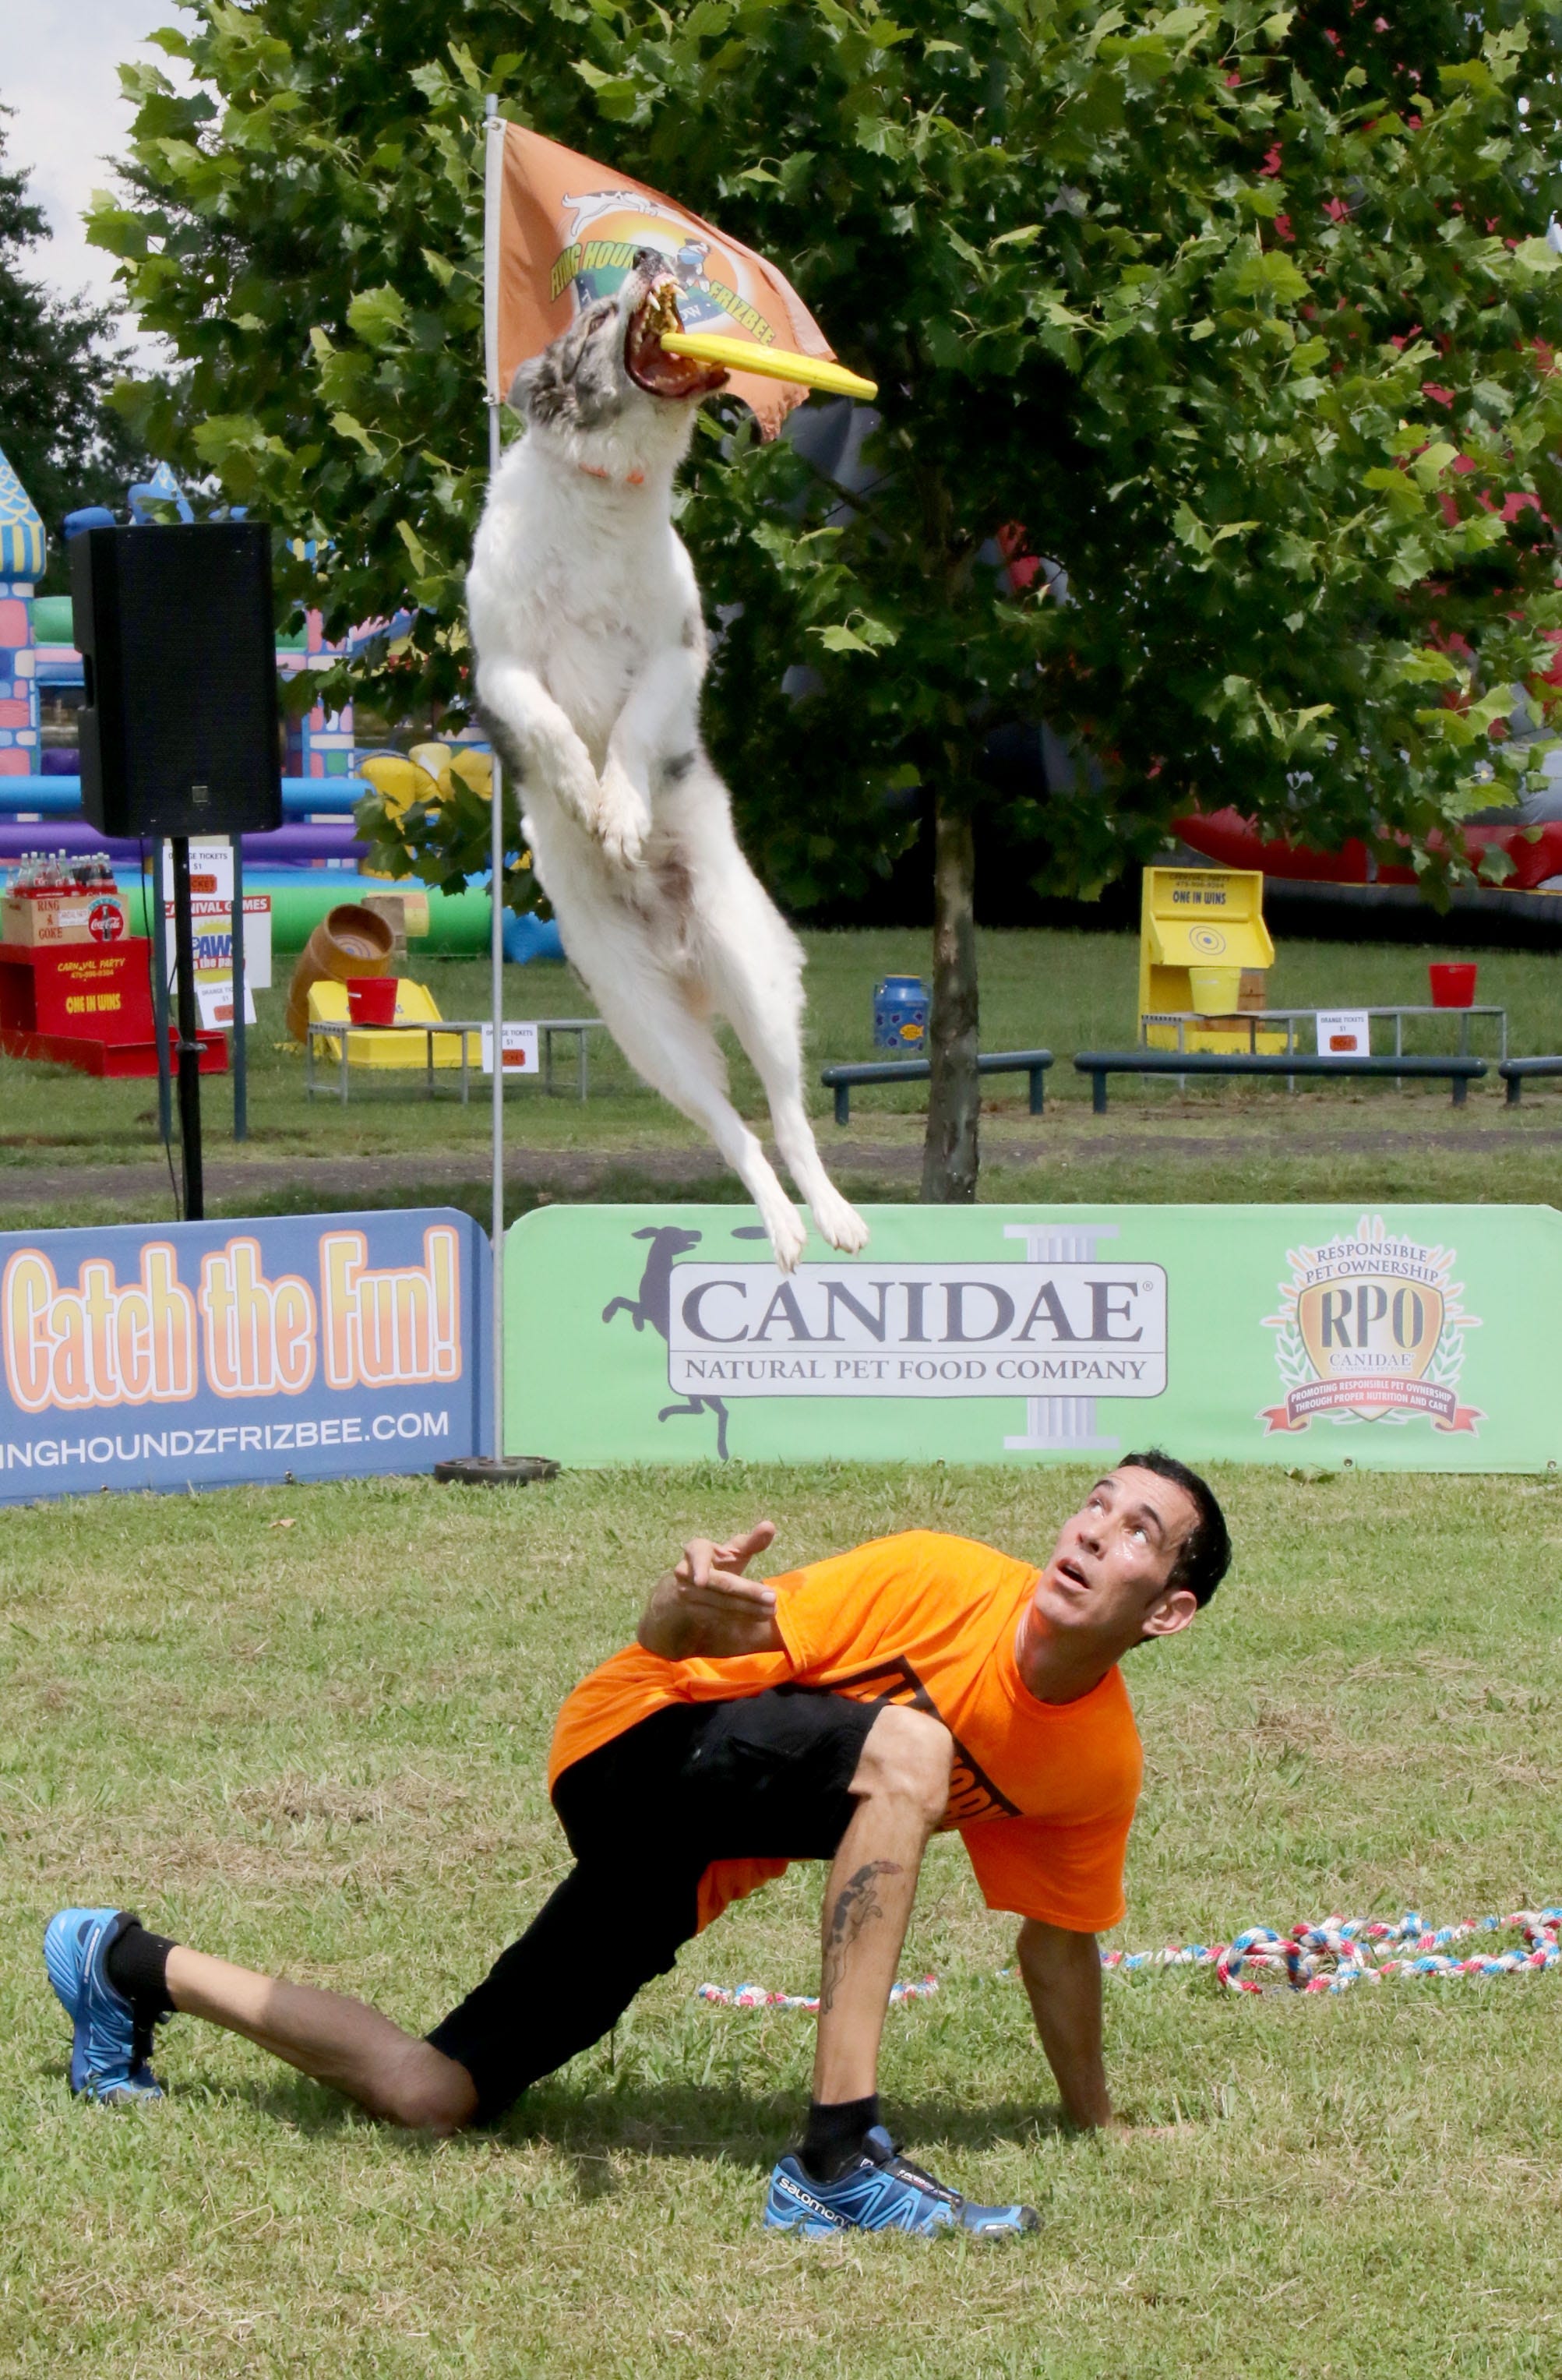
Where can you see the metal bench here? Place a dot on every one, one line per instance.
(1513, 1071)
(1456, 1070)
(470, 1029)
(842, 1079)
(1257, 1020)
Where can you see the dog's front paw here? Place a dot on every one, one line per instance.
(572, 780)
(622, 835)
(838, 1222)
(621, 820)
(788, 1232)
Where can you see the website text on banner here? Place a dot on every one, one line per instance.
(1398, 1338)
(201, 1354)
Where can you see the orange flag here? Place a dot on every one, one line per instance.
(561, 231)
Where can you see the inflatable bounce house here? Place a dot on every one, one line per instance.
(307, 867)
(1347, 894)
(1515, 850)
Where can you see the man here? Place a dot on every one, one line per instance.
(845, 1713)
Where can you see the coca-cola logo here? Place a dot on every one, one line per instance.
(105, 921)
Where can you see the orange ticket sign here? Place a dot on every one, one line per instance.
(562, 231)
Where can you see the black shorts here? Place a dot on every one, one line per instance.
(767, 1777)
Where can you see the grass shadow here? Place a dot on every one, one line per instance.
(721, 2123)
(739, 2126)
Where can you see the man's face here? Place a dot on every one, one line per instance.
(1106, 1580)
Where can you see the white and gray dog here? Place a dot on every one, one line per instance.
(591, 651)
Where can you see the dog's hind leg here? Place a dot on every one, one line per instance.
(678, 1054)
(755, 970)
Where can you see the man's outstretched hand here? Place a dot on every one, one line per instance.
(704, 1607)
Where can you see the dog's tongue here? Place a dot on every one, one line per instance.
(647, 360)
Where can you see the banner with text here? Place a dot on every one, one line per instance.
(185, 1355)
(1397, 1338)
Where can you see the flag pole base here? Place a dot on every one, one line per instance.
(486, 1471)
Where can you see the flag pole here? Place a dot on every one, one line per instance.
(495, 1468)
(493, 135)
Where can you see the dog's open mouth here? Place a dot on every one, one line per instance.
(647, 360)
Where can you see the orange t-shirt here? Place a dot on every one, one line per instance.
(1043, 1793)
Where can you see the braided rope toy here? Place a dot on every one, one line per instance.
(1331, 1956)
(754, 1996)
(1327, 1957)
(1340, 1951)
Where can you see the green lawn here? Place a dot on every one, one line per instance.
(319, 1746)
(1066, 991)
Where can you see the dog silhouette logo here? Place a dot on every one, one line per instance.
(651, 1306)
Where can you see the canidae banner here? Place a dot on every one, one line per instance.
(562, 232)
(198, 1355)
(1394, 1338)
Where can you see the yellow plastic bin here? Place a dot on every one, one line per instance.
(384, 1046)
(1215, 990)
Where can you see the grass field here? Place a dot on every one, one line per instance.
(306, 1727)
(1065, 991)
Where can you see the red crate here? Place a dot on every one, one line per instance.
(87, 1007)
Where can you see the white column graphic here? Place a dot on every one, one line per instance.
(1060, 1424)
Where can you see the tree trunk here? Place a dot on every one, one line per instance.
(950, 1154)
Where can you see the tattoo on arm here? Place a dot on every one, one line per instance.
(855, 1903)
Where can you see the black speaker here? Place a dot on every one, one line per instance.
(179, 717)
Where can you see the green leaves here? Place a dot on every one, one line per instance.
(347, 426)
(617, 96)
(1270, 274)
(1402, 497)
(1191, 531)
(1535, 256)
(116, 228)
(237, 448)
(1230, 320)
(378, 316)
(858, 635)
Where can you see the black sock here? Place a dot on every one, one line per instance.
(137, 1965)
(836, 2128)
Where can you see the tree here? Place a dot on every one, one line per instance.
(1239, 319)
(56, 364)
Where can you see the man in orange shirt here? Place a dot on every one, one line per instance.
(845, 1712)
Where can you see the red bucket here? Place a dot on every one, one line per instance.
(1453, 985)
(371, 999)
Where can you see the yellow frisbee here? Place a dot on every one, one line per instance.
(770, 363)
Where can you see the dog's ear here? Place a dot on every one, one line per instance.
(527, 395)
(576, 378)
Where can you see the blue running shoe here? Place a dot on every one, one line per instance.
(108, 2051)
(882, 2192)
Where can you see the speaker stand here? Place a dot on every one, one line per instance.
(189, 1048)
(240, 997)
(160, 995)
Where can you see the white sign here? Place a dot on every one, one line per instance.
(1344, 1033)
(214, 995)
(211, 871)
(519, 1048)
(212, 927)
(918, 1331)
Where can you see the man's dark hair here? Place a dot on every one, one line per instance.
(1205, 1556)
